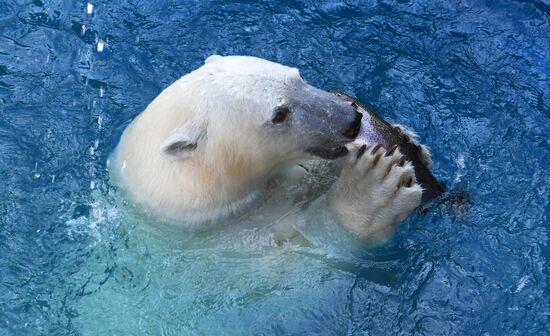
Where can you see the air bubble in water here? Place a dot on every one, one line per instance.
(90, 8)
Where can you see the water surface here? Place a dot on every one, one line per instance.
(470, 77)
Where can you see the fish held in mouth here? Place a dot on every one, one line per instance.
(375, 130)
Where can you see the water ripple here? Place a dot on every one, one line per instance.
(472, 78)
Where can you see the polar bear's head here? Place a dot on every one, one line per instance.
(261, 110)
(219, 131)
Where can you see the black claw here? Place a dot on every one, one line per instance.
(375, 149)
(304, 167)
(401, 162)
(376, 159)
(397, 129)
(392, 149)
(361, 151)
(409, 182)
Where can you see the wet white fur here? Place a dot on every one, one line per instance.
(220, 109)
(371, 196)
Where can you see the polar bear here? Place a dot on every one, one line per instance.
(207, 146)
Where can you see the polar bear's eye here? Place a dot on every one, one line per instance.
(280, 114)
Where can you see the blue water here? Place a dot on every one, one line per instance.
(471, 78)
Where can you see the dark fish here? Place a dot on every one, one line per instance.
(375, 130)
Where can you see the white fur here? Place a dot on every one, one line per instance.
(221, 108)
(199, 153)
(371, 196)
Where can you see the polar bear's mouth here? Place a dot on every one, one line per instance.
(329, 153)
(338, 149)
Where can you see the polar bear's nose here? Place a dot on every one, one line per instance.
(353, 130)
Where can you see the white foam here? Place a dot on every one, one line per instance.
(100, 45)
(101, 213)
(522, 282)
(460, 162)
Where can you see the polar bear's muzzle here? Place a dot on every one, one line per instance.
(331, 123)
(333, 152)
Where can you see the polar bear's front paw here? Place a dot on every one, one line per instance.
(376, 190)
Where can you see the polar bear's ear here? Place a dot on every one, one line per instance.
(182, 144)
(212, 58)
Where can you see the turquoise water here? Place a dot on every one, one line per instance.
(471, 78)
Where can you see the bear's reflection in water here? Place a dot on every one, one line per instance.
(220, 277)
